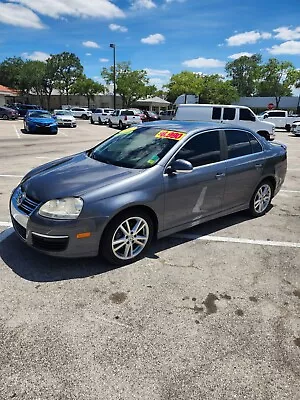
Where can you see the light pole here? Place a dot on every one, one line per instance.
(113, 46)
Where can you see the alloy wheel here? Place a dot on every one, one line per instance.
(262, 198)
(130, 238)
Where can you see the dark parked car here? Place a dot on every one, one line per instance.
(24, 108)
(151, 116)
(145, 182)
(8, 113)
(40, 121)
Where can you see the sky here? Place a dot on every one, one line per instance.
(161, 36)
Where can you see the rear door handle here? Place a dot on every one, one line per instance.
(220, 175)
(258, 166)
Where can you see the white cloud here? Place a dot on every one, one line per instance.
(91, 44)
(238, 55)
(157, 38)
(290, 47)
(157, 72)
(247, 38)
(158, 82)
(75, 8)
(203, 63)
(36, 56)
(142, 4)
(119, 28)
(103, 60)
(285, 33)
(88, 54)
(13, 14)
(173, 1)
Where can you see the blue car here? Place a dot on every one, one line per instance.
(40, 121)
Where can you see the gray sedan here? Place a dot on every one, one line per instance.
(142, 183)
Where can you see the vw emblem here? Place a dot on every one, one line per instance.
(20, 198)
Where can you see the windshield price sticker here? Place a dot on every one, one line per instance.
(170, 135)
(128, 130)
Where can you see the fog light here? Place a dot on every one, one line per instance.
(83, 235)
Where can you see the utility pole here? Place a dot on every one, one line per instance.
(113, 46)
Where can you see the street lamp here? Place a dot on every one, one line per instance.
(113, 46)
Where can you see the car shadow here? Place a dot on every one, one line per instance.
(37, 267)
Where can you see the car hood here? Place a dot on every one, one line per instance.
(41, 120)
(73, 176)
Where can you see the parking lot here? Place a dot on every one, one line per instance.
(210, 313)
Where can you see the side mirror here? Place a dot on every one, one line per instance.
(179, 166)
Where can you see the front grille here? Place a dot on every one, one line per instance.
(28, 205)
(19, 229)
(49, 244)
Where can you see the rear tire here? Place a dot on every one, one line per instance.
(110, 124)
(5, 117)
(84, 116)
(261, 199)
(92, 121)
(288, 128)
(121, 125)
(99, 121)
(117, 247)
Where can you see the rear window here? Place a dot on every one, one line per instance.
(127, 112)
(108, 110)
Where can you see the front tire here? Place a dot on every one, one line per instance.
(127, 237)
(261, 199)
(110, 124)
(288, 128)
(84, 116)
(92, 121)
(99, 121)
(5, 117)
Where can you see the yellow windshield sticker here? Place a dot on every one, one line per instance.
(153, 160)
(128, 130)
(174, 135)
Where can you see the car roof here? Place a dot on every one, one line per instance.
(212, 105)
(189, 126)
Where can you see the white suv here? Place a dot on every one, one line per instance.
(81, 112)
(101, 115)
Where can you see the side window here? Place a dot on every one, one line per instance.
(216, 113)
(202, 149)
(246, 115)
(229, 113)
(238, 143)
(255, 145)
(276, 114)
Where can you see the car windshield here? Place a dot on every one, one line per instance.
(63, 112)
(36, 114)
(137, 148)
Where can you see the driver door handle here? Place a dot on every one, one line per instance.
(220, 175)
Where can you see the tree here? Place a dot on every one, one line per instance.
(130, 84)
(278, 79)
(50, 77)
(245, 73)
(31, 78)
(87, 87)
(186, 82)
(207, 88)
(69, 69)
(10, 70)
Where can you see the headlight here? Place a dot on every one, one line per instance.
(67, 208)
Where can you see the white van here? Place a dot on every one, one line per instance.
(236, 115)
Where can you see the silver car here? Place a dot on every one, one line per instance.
(145, 182)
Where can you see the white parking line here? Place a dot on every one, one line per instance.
(4, 235)
(42, 158)
(11, 176)
(17, 132)
(63, 133)
(289, 191)
(6, 224)
(211, 238)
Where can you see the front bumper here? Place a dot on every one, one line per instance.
(56, 237)
(42, 129)
(296, 130)
(67, 123)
